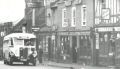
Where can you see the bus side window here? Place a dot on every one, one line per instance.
(11, 41)
(6, 43)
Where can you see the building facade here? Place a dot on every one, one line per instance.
(71, 41)
(107, 13)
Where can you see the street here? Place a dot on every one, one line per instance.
(21, 66)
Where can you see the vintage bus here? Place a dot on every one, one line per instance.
(19, 47)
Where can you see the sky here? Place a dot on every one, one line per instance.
(11, 10)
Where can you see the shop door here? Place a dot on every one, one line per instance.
(103, 49)
(117, 50)
(112, 52)
(74, 49)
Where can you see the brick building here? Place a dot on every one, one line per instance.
(70, 41)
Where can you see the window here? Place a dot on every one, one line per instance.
(64, 20)
(83, 13)
(44, 43)
(73, 17)
(19, 41)
(11, 41)
(103, 3)
(85, 47)
(6, 43)
(65, 44)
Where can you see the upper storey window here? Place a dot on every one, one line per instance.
(73, 17)
(83, 13)
(64, 19)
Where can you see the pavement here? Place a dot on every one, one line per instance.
(75, 66)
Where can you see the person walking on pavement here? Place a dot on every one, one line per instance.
(40, 54)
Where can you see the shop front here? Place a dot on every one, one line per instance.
(67, 47)
(75, 47)
(109, 46)
(48, 43)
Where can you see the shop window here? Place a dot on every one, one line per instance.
(68, 44)
(105, 36)
(61, 43)
(44, 43)
(103, 49)
(65, 44)
(41, 39)
(85, 47)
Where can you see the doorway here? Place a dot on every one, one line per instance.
(74, 49)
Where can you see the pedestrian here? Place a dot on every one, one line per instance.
(40, 54)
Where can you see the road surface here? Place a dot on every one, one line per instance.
(21, 66)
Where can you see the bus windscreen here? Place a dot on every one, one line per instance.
(29, 42)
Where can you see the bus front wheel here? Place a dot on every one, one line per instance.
(5, 61)
(10, 60)
(34, 61)
(26, 63)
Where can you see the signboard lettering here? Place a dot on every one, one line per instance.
(35, 29)
(97, 41)
(34, 5)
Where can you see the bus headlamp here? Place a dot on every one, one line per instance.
(34, 53)
(12, 54)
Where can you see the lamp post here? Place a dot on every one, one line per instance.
(52, 49)
(55, 27)
(56, 56)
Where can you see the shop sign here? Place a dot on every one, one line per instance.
(108, 29)
(23, 29)
(35, 29)
(97, 41)
(34, 5)
(74, 33)
(106, 14)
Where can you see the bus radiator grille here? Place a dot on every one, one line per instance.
(23, 53)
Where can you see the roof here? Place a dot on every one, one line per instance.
(18, 35)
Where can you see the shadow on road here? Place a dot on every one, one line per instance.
(20, 65)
